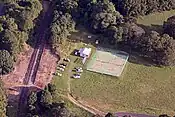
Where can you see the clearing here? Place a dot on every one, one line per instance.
(142, 88)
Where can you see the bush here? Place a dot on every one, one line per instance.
(6, 62)
(32, 98)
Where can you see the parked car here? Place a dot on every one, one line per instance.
(79, 70)
(66, 59)
(76, 76)
(61, 69)
(58, 74)
(62, 66)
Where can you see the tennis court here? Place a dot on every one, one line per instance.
(107, 61)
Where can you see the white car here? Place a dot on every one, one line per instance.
(58, 74)
(89, 36)
(66, 59)
(62, 66)
(79, 70)
(76, 76)
(61, 69)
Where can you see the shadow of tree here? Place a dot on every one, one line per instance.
(153, 27)
(138, 57)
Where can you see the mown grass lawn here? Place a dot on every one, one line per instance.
(142, 88)
(62, 84)
(155, 21)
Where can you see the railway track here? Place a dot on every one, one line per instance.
(34, 61)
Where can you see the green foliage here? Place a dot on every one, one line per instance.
(169, 26)
(115, 34)
(142, 7)
(15, 27)
(46, 98)
(159, 48)
(6, 62)
(67, 6)
(41, 104)
(59, 110)
(3, 100)
(51, 88)
(103, 15)
(32, 98)
(61, 27)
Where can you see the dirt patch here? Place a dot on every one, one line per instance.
(46, 68)
(15, 78)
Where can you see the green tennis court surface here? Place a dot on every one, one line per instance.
(107, 61)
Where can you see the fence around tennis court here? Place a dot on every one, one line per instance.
(108, 61)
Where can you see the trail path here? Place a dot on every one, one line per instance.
(82, 104)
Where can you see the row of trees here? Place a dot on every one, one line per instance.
(40, 104)
(62, 23)
(16, 25)
(143, 7)
(102, 17)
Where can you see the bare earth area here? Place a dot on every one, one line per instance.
(15, 79)
(46, 68)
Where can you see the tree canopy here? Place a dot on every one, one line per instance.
(16, 25)
(169, 26)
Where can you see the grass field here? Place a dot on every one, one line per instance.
(76, 111)
(155, 21)
(62, 85)
(156, 18)
(141, 88)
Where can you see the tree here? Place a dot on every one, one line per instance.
(109, 115)
(32, 98)
(169, 26)
(61, 27)
(3, 102)
(67, 6)
(115, 34)
(59, 110)
(9, 42)
(134, 8)
(51, 88)
(103, 14)
(46, 98)
(6, 62)
(165, 50)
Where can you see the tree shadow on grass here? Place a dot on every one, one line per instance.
(137, 57)
(153, 27)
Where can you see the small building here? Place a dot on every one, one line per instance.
(84, 52)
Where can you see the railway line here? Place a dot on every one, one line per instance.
(34, 61)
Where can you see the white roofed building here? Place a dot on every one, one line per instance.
(85, 52)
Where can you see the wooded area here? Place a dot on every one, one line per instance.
(111, 18)
(102, 17)
(16, 28)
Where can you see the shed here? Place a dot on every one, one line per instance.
(85, 52)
